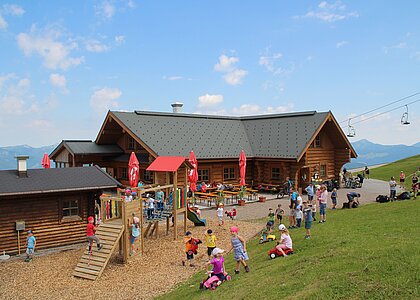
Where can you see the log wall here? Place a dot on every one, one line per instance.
(43, 215)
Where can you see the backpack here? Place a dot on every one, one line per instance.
(382, 199)
(404, 196)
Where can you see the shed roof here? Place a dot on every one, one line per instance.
(55, 180)
(87, 147)
(166, 163)
(274, 135)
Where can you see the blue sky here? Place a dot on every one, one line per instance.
(63, 64)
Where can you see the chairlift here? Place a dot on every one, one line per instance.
(351, 130)
(404, 118)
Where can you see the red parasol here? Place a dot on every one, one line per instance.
(133, 170)
(46, 163)
(242, 167)
(193, 174)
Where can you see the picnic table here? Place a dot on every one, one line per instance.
(209, 197)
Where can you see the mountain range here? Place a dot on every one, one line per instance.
(373, 154)
(369, 154)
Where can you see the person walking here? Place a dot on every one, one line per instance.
(392, 189)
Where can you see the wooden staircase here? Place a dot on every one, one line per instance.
(91, 266)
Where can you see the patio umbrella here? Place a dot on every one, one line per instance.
(192, 173)
(46, 163)
(242, 167)
(133, 170)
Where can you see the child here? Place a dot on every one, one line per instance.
(90, 233)
(210, 242)
(30, 246)
(307, 213)
(299, 216)
(232, 213)
(218, 263)
(279, 213)
(135, 232)
(285, 242)
(239, 249)
(270, 218)
(128, 196)
(150, 207)
(312, 205)
(334, 198)
(266, 231)
(220, 214)
(191, 247)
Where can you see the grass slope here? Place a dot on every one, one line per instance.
(408, 165)
(372, 252)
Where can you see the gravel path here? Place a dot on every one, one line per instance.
(370, 190)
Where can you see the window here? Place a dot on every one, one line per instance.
(317, 142)
(228, 173)
(124, 173)
(70, 208)
(323, 171)
(147, 176)
(131, 143)
(275, 173)
(203, 175)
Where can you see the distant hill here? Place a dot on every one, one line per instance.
(8, 160)
(374, 154)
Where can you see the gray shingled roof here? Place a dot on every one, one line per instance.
(55, 180)
(276, 136)
(88, 147)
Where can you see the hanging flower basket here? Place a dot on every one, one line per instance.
(262, 199)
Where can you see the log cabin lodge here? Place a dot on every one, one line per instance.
(298, 145)
(54, 203)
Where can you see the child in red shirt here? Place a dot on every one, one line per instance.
(90, 233)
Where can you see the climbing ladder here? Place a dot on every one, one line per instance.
(91, 266)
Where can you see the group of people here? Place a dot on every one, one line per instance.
(414, 184)
(215, 254)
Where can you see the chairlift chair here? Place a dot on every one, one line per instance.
(351, 130)
(404, 118)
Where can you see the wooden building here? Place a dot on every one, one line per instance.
(296, 145)
(53, 203)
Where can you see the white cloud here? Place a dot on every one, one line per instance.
(131, 4)
(255, 109)
(269, 60)
(39, 124)
(55, 53)
(172, 78)
(5, 78)
(17, 99)
(227, 65)
(341, 44)
(119, 39)
(235, 77)
(209, 100)
(59, 81)
(106, 10)
(13, 9)
(105, 99)
(3, 23)
(330, 12)
(95, 46)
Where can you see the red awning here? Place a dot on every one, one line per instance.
(167, 163)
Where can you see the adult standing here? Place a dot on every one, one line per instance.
(310, 190)
(392, 188)
(402, 179)
(323, 204)
(367, 171)
(292, 206)
(288, 185)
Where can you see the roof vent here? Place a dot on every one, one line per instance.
(21, 166)
(177, 107)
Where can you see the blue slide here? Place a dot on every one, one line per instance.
(193, 217)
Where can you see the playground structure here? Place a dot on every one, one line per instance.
(116, 216)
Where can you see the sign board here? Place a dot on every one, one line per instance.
(20, 225)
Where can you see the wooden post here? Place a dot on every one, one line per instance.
(175, 202)
(141, 223)
(186, 198)
(124, 235)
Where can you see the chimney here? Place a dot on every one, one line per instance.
(21, 166)
(177, 107)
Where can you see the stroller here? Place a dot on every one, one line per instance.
(211, 282)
